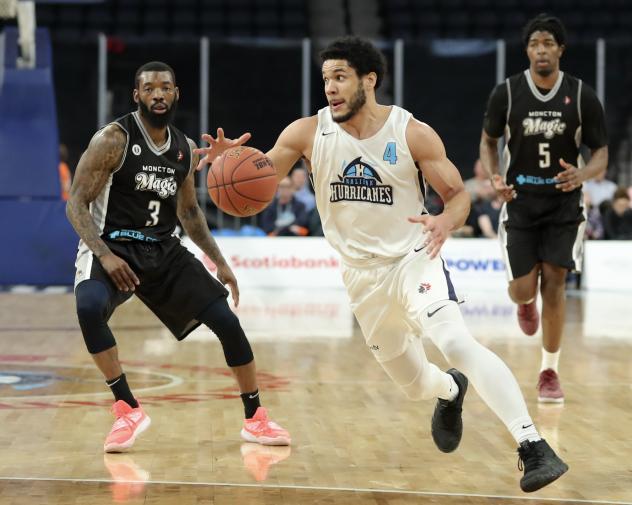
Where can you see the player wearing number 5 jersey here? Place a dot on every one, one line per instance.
(545, 115)
(132, 185)
(368, 162)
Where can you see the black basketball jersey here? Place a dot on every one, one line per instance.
(540, 128)
(139, 200)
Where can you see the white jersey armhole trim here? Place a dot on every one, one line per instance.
(508, 99)
(190, 144)
(126, 146)
(579, 101)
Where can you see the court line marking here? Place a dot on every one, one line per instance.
(317, 488)
(175, 381)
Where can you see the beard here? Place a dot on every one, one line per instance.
(158, 120)
(355, 104)
(544, 72)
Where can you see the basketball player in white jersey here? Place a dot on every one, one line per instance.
(368, 162)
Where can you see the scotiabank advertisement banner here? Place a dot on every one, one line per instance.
(310, 262)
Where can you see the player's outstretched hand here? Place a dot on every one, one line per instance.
(216, 146)
(507, 193)
(570, 178)
(120, 272)
(437, 230)
(226, 276)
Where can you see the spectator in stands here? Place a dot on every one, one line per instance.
(314, 224)
(302, 191)
(488, 217)
(599, 189)
(594, 222)
(285, 216)
(479, 187)
(618, 218)
(65, 179)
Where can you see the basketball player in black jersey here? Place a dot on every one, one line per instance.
(544, 115)
(132, 185)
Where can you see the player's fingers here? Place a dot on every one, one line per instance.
(203, 161)
(132, 274)
(566, 166)
(235, 292)
(220, 135)
(419, 219)
(120, 285)
(208, 138)
(242, 140)
(433, 248)
(129, 277)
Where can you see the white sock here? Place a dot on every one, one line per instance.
(454, 388)
(550, 360)
(523, 429)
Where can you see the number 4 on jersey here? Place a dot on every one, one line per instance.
(390, 153)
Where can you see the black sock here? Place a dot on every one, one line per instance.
(251, 403)
(121, 390)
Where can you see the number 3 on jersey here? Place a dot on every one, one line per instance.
(154, 207)
(545, 154)
(390, 153)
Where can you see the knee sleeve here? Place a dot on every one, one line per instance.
(225, 324)
(416, 376)
(93, 312)
(444, 324)
(491, 377)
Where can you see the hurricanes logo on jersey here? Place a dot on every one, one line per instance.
(360, 182)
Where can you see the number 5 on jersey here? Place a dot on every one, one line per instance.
(545, 154)
(154, 207)
(390, 153)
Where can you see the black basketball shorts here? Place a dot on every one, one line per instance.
(174, 285)
(542, 229)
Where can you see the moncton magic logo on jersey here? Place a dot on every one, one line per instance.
(164, 187)
(360, 182)
(536, 125)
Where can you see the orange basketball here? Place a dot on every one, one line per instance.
(242, 181)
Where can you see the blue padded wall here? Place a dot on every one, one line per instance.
(39, 246)
(29, 140)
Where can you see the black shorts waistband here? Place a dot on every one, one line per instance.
(128, 235)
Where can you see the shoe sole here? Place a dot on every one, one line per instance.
(544, 399)
(546, 480)
(130, 442)
(249, 437)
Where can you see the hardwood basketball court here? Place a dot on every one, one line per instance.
(356, 439)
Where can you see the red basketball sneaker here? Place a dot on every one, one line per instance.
(549, 389)
(129, 424)
(259, 428)
(528, 318)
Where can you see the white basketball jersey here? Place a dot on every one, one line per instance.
(365, 189)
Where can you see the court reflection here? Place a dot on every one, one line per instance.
(259, 458)
(129, 479)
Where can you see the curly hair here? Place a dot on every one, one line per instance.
(361, 55)
(545, 23)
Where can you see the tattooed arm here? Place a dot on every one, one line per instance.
(103, 156)
(194, 223)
